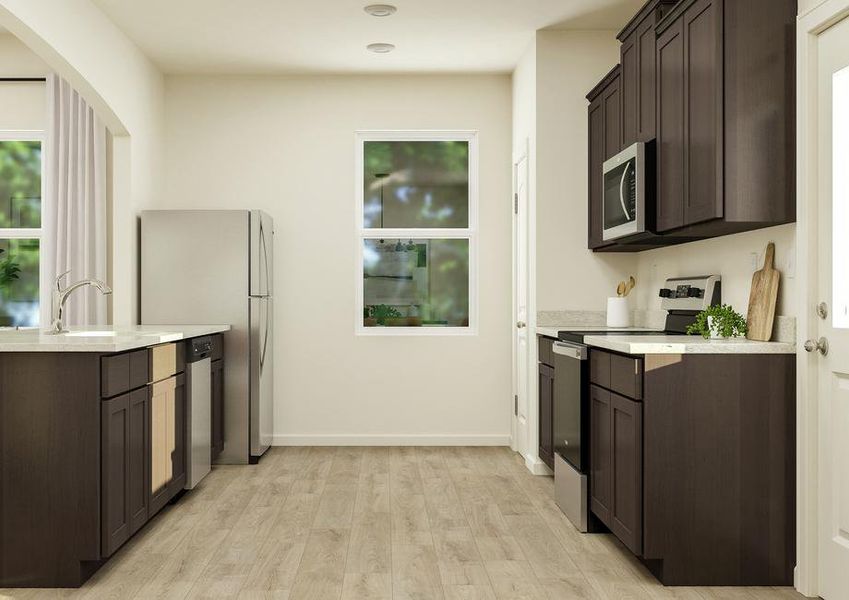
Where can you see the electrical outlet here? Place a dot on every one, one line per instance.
(754, 258)
(790, 266)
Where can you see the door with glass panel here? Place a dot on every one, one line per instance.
(831, 342)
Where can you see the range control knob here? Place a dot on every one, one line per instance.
(695, 292)
(666, 293)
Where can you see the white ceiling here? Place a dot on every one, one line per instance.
(285, 36)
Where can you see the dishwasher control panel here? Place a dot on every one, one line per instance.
(199, 348)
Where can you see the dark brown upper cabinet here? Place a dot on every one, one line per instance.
(605, 140)
(638, 72)
(725, 116)
(713, 83)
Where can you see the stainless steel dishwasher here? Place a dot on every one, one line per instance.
(198, 409)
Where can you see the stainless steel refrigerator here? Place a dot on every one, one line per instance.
(216, 267)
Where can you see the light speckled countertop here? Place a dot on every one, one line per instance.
(105, 339)
(685, 344)
(670, 344)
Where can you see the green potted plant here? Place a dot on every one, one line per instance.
(381, 314)
(719, 322)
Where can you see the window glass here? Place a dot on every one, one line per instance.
(19, 283)
(20, 184)
(416, 282)
(416, 184)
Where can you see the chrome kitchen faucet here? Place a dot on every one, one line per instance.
(60, 296)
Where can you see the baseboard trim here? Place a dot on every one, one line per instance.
(390, 440)
(536, 466)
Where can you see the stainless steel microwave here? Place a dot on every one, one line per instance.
(624, 187)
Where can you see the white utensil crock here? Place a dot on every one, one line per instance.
(618, 314)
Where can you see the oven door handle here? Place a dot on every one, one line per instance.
(570, 350)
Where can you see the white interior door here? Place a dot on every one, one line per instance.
(520, 413)
(831, 343)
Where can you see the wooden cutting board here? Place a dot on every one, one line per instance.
(762, 299)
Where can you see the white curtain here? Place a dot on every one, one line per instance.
(74, 215)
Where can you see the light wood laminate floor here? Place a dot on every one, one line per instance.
(353, 523)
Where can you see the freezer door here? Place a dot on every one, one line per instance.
(262, 252)
(262, 375)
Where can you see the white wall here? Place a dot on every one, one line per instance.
(569, 276)
(287, 146)
(806, 5)
(729, 256)
(81, 44)
(23, 103)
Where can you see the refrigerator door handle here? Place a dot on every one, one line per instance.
(264, 285)
(265, 337)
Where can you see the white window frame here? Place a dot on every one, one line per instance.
(469, 233)
(19, 233)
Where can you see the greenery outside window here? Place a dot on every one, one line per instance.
(416, 233)
(21, 186)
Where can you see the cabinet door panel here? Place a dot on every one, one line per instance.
(546, 415)
(115, 473)
(162, 403)
(670, 128)
(596, 159)
(630, 60)
(601, 481)
(612, 100)
(703, 131)
(646, 81)
(627, 508)
(179, 448)
(139, 458)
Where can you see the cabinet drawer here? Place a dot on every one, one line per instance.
(621, 374)
(626, 376)
(600, 368)
(123, 372)
(163, 361)
(546, 356)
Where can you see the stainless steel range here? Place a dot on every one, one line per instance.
(682, 298)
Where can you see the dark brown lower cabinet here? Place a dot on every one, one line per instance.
(217, 407)
(139, 443)
(719, 469)
(546, 415)
(124, 498)
(115, 444)
(601, 458)
(616, 463)
(626, 519)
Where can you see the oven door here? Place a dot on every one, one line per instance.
(623, 210)
(570, 387)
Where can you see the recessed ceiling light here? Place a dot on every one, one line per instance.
(381, 48)
(380, 10)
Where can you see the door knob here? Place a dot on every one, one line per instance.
(820, 345)
(521, 324)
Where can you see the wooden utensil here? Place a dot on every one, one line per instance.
(762, 299)
(631, 283)
(620, 289)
